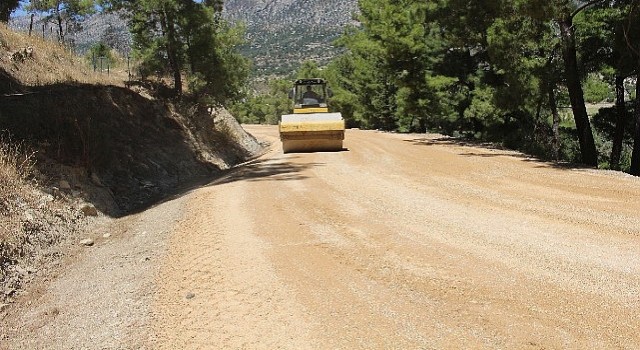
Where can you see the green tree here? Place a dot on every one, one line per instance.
(63, 12)
(491, 69)
(158, 48)
(381, 71)
(6, 7)
(565, 13)
(98, 50)
(345, 98)
(632, 36)
(308, 69)
(266, 107)
(596, 90)
(217, 68)
(605, 53)
(185, 37)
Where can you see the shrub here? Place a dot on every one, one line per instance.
(597, 90)
(101, 51)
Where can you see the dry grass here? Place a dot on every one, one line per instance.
(15, 187)
(17, 194)
(48, 63)
(32, 222)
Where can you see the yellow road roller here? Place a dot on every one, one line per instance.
(311, 127)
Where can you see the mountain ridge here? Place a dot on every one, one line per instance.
(283, 33)
(280, 34)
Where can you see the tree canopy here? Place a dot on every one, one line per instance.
(187, 39)
(6, 7)
(63, 11)
(511, 71)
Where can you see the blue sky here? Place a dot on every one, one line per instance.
(20, 12)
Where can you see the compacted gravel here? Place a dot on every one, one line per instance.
(400, 241)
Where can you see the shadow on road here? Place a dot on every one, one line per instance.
(267, 170)
(455, 142)
(493, 155)
(344, 149)
(452, 141)
(255, 170)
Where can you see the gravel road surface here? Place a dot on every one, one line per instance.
(400, 241)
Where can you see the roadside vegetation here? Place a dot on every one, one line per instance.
(188, 41)
(32, 61)
(557, 80)
(505, 72)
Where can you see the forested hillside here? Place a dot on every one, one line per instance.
(516, 72)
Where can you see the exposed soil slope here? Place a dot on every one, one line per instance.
(119, 149)
(403, 241)
(112, 147)
(135, 146)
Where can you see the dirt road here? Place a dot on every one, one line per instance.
(404, 242)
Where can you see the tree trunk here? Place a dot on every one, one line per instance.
(635, 158)
(621, 117)
(60, 30)
(59, 19)
(576, 95)
(556, 122)
(192, 61)
(31, 24)
(168, 26)
(5, 14)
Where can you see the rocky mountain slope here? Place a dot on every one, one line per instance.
(280, 33)
(283, 33)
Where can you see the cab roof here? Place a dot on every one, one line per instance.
(312, 81)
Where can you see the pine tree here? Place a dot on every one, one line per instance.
(63, 11)
(491, 69)
(187, 38)
(6, 7)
